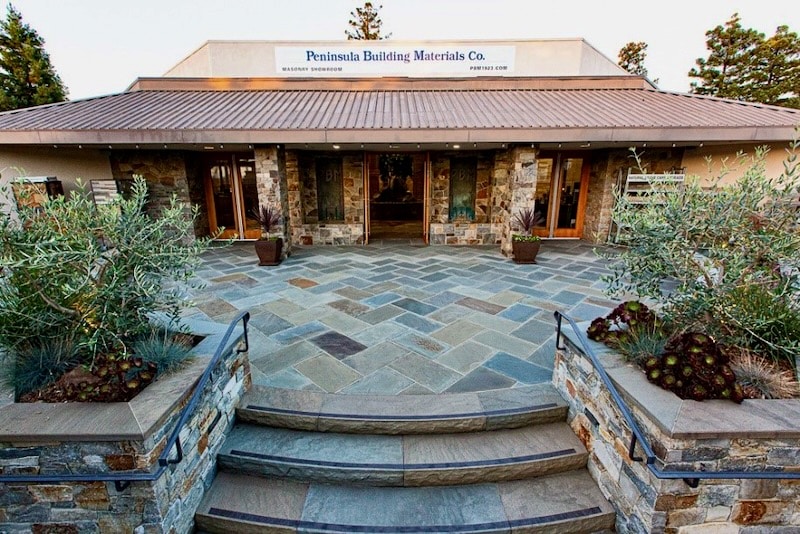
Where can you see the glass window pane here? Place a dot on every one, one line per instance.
(570, 189)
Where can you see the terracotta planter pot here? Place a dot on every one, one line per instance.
(525, 251)
(269, 251)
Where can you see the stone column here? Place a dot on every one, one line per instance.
(516, 170)
(273, 189)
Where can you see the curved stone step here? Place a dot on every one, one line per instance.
(410, 460)
(403, 414)
(567, 502)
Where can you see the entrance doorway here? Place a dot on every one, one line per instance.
(562, 183)
(396, 188)
(231, 195)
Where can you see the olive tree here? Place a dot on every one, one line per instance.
(724, 259)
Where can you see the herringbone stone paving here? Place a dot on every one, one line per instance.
(402, 318)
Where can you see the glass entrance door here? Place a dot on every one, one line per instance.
(232, 196)
(562, 181)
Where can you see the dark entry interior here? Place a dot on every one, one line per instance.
(396, 189)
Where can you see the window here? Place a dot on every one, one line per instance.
(463, 180)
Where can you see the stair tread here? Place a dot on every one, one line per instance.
(402, 414)
(422, 451)
(571, 501)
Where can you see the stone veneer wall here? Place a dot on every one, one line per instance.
(607, 171)
(483, 230)
(603, 176)
(713, 435)
(165, 505)
(165, 172)
(302, 200)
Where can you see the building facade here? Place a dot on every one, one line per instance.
(357, 141)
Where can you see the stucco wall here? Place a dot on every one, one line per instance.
(66, 164)
(708, 163)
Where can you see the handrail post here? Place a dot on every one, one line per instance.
(559, 345)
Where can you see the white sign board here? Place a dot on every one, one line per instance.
(412, 61)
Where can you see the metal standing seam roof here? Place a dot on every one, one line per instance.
(341, 110)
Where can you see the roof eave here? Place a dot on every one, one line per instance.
(494, 135)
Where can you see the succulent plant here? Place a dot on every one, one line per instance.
(693, 367)
(690, 364)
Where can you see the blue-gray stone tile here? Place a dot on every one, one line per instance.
(415, 306)
(519, 312)
(518, 369)
(380, 299)
(418, 323)
(443, 299)
(269, 323)
(412, 508)
(568, 297)
(426, 372)
(535, 331)
(291, 335)
(384, 381)
(481, 379)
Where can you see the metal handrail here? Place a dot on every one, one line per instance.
(123, 479)
(691, 476)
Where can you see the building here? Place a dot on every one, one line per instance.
(360, 140)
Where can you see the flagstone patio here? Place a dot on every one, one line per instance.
(402, 318)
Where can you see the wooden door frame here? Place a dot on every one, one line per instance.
(555, 192)
(237, 192)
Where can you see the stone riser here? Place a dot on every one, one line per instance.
(407, 475)
(363, 414)
(250, 505)
(501, 461)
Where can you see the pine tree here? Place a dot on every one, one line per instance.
(632, 56)
(775, 78)
(365, 24)
(729, 65)
(27, 78)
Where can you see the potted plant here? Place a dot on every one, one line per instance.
(268, 248)
(525, 246)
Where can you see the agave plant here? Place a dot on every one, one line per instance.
(527, 219)
(268, 218)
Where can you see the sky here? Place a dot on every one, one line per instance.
(100, 47)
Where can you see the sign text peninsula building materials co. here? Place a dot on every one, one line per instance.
(355, 141)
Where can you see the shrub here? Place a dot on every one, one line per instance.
(730, 253)
(92, 274)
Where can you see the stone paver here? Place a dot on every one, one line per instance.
(401, 317)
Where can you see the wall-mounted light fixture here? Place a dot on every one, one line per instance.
(336, 147)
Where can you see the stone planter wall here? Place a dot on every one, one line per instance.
(82, 438)
(712, 435)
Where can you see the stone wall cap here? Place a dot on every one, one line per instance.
(136, 420)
